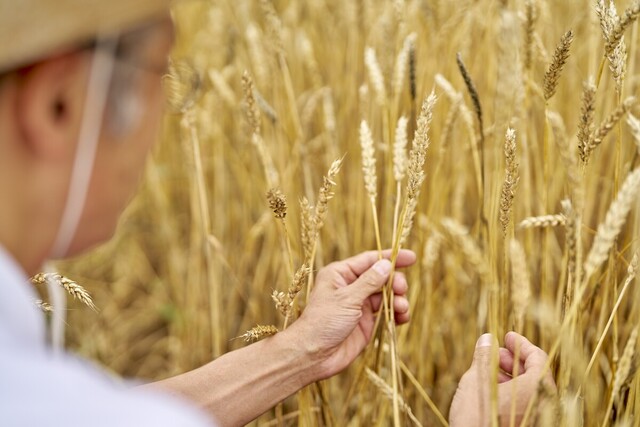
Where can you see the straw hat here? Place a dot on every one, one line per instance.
(34, 29)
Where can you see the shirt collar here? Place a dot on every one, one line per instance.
(20, 320)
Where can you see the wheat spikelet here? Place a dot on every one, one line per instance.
(634, 126)
(307, 228)
(520, 284)
(560, 56)
(284, 301)
(469, 247)
(571, 243)
(368, 160)
(609, 229)
(531, 17)
(605, 127)
(221, 86)
(265, 107)
(259, 332)
(629, 16)
(375, 75)
(253, 112)
(542, 221)
(400, 149)
(510, 180)
(182, 86)
(417, 157)
(280, 300)
(387, 391)
(617, 57)
(277, 203)
(310, 60)
(329, 111)
(255, 44)
(402, 61)
(274, 26)
(568, 157)
(585, 127)
(298, 281)
(412, 71)
(473, 93)
(325, 194)
(253, 117)
(457, 100)
(44, 306)
(72, 288)
(624, 367)
(432, 250)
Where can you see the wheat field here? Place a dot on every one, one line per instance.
(527, 218)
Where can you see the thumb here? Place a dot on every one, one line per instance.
(371, 281)
(482, 366)
(482, 353)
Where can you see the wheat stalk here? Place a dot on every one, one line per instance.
(387, 391)
(520, 285)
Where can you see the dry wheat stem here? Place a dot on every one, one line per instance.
(520, 285)
(631, 274)
(388, 392)
(421, 391)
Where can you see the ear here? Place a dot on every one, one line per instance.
(49, 104)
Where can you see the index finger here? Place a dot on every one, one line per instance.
(360, 263)
(533, 357)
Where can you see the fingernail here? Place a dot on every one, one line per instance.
(485, 340)
(383, 267)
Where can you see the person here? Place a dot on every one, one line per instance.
(80, 102)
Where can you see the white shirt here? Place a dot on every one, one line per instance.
(38, 387)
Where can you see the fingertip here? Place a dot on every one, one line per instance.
(485, 340)
(400, 305)
(406, 257)
(400, 285)
(402, 318)
(382, 267)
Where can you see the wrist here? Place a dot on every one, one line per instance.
(304, 351)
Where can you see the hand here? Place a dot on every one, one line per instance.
(470, 405)
(338, 322)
